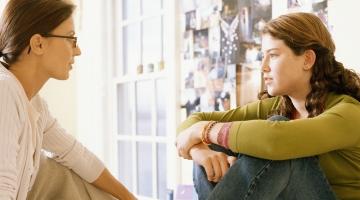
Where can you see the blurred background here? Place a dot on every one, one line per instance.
(147, 65)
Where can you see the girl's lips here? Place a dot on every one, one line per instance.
(267, 80)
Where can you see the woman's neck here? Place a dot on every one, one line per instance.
(29, 76)
(300, 109)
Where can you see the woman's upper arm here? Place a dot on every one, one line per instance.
(10, 130)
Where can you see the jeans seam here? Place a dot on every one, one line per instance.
(256, 179)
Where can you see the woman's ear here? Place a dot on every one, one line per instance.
(310, 58)
(37, 44)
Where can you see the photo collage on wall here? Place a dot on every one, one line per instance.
(318, 7)
(221, 53)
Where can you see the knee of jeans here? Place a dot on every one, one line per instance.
(198, 172)
(278, 118)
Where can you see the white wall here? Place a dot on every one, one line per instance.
(91, 76)
(343, 17)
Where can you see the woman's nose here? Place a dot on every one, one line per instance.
(265, 65)
(77, 51)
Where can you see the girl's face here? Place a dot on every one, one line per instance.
(59, 57)
(284, 72)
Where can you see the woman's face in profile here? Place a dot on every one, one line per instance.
(60, 52)
(283, 71)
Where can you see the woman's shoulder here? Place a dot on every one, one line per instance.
(8, 84)
(334, 99)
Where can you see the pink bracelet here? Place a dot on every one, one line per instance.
(223, 135)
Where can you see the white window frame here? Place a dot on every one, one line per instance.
(171, 74)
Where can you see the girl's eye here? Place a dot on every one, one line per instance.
(273, 55)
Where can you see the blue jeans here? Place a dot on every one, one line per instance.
(251, 178)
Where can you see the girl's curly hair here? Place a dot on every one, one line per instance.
(304, 31)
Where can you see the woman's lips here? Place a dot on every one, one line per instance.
(267, 80)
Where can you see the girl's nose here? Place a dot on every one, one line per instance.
(265, 64)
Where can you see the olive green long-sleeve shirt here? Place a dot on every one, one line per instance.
(334, 135)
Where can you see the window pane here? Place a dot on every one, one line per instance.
(124, 109)
(131, 9)
(144, 94)
(144, 160)
(125, 163)
(152, 42)
(161, 163)
(161, 94)
(151, 7)
(131, 48)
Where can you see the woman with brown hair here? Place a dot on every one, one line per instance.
(38, 42)
(309, 148)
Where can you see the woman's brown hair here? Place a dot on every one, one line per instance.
(304, 31)
(21, 19)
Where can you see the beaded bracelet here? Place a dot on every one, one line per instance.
(205, 133)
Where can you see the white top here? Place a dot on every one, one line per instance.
(26, 127)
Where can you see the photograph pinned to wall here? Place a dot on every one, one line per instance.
(249, 84)
(201, 72)
(244, 24)
(207, 99)
(188, 45)
(320, 9)
(190, 101)
(253, 54)
(190, 20)
(253, 17)
(217, 80)
(261, 13)
(214, 41)
(293, 4)
(222, 83)
(299, 5)
(229, 23)
(214, 18)
(202, 18)
(187, 74)
(189, 80)
(201, 43)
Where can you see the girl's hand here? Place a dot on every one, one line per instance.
(188, 138)
(216, 164)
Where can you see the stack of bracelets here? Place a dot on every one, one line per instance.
(205, 132)
(222, 137)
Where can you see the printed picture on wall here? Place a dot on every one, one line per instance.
(229, 25)
(214, 41)
(320, 9)
(261, 13)
(188, 45)
(201, 43)
(292, 4)
(190, 20)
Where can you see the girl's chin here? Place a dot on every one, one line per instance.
(272, 92)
